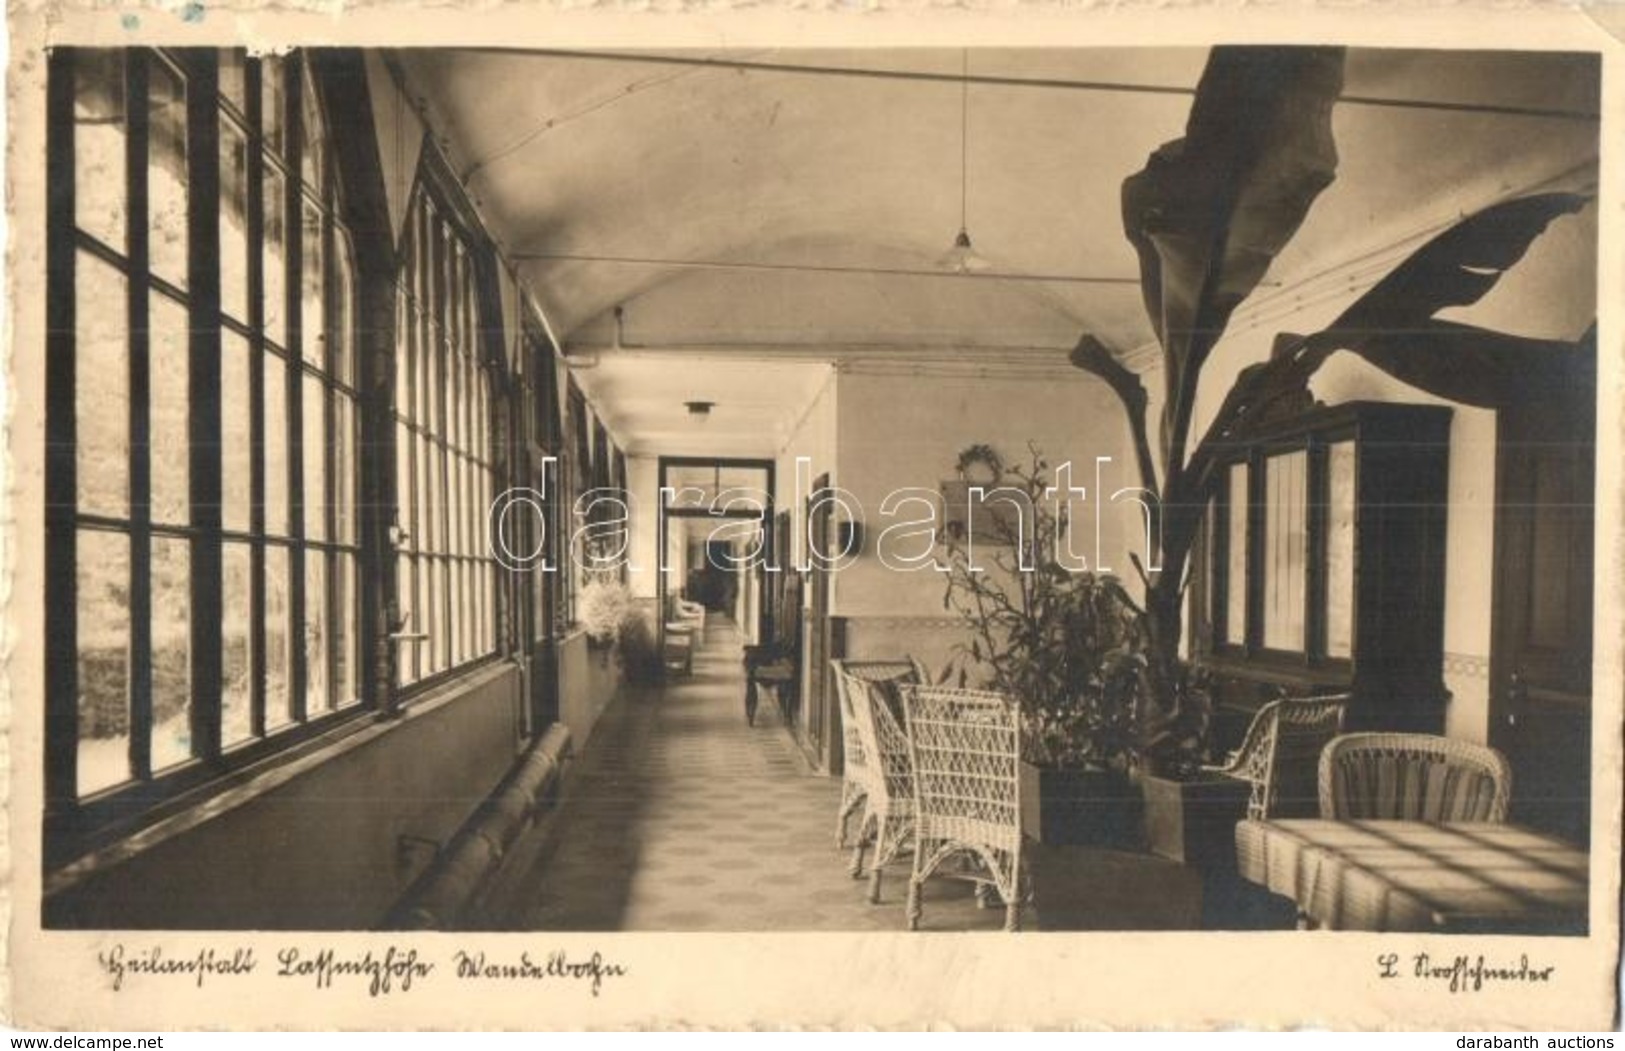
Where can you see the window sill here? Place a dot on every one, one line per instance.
(235, 790)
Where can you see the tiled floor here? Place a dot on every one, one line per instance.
(679, 817)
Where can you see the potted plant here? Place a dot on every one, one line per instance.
(604, 604)
(616, 624)
(1207, 215)
(1058, 641)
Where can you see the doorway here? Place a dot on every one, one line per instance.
(1540, 663)
(719, 513)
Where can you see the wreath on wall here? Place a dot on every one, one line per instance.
(985, 457)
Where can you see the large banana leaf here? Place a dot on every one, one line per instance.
(1394, 327)
(1210, 211)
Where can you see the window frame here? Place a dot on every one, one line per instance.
(78, 821)
(438, 217)
(1213, 560)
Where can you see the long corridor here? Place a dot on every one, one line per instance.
(680, 817)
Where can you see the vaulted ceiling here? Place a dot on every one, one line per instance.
(797, 205)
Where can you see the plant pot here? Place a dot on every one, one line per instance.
(1194, 821)
(1080, 806)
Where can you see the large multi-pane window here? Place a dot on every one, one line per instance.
(201, 416)
(445, 475)
(1279, 564)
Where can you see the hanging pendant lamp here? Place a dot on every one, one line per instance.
(961, 256)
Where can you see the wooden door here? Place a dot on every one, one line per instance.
(1540, 668)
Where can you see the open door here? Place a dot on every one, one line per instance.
(1540, 665)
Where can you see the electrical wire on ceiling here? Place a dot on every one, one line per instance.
(822, 268)
(1049, 83)
(621, 94)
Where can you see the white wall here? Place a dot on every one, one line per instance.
(907, 431)
(642, 484)
(902, 431)
(815, 437)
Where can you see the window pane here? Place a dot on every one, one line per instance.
(232, 81)
(276, 259)
(233, 221)
(345, 633)
(236, 451)
(483, 583)
(468, 600)
(236, 668)
(313, 159)
(171, 651)
(276, 446)
(166, 173)
(454, 542)
(460, 604)
(403, 477)
(278, 706)
(98, 145)
(344, 468)
(477, 574)
(103, 581)
(426, 380)
(482, 422)
(273, 103)
(489, 584)
(1285, 549)
(102, 397)
(169, 366)
(424, 618)
(429, 618)
(428, 496)
(405, 591)
(419, 527)
(446, 614)
(454, 400)
(341, 337)
(312, 271)
(315, 458)
(438, 493)
(1340, 550)
(318, 698)
(403, 356)
(1236, 598)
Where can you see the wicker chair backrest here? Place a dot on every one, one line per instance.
(1412, 777)
(885, 766)
(865, 671)
(1290, 736)
(966, 746)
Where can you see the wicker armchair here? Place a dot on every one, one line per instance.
(1412, 777)
(885, 778)
(966, 749)
(683, 632)
(853, 792)
(1280, 756)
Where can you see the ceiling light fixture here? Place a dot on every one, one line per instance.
(961, 257)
